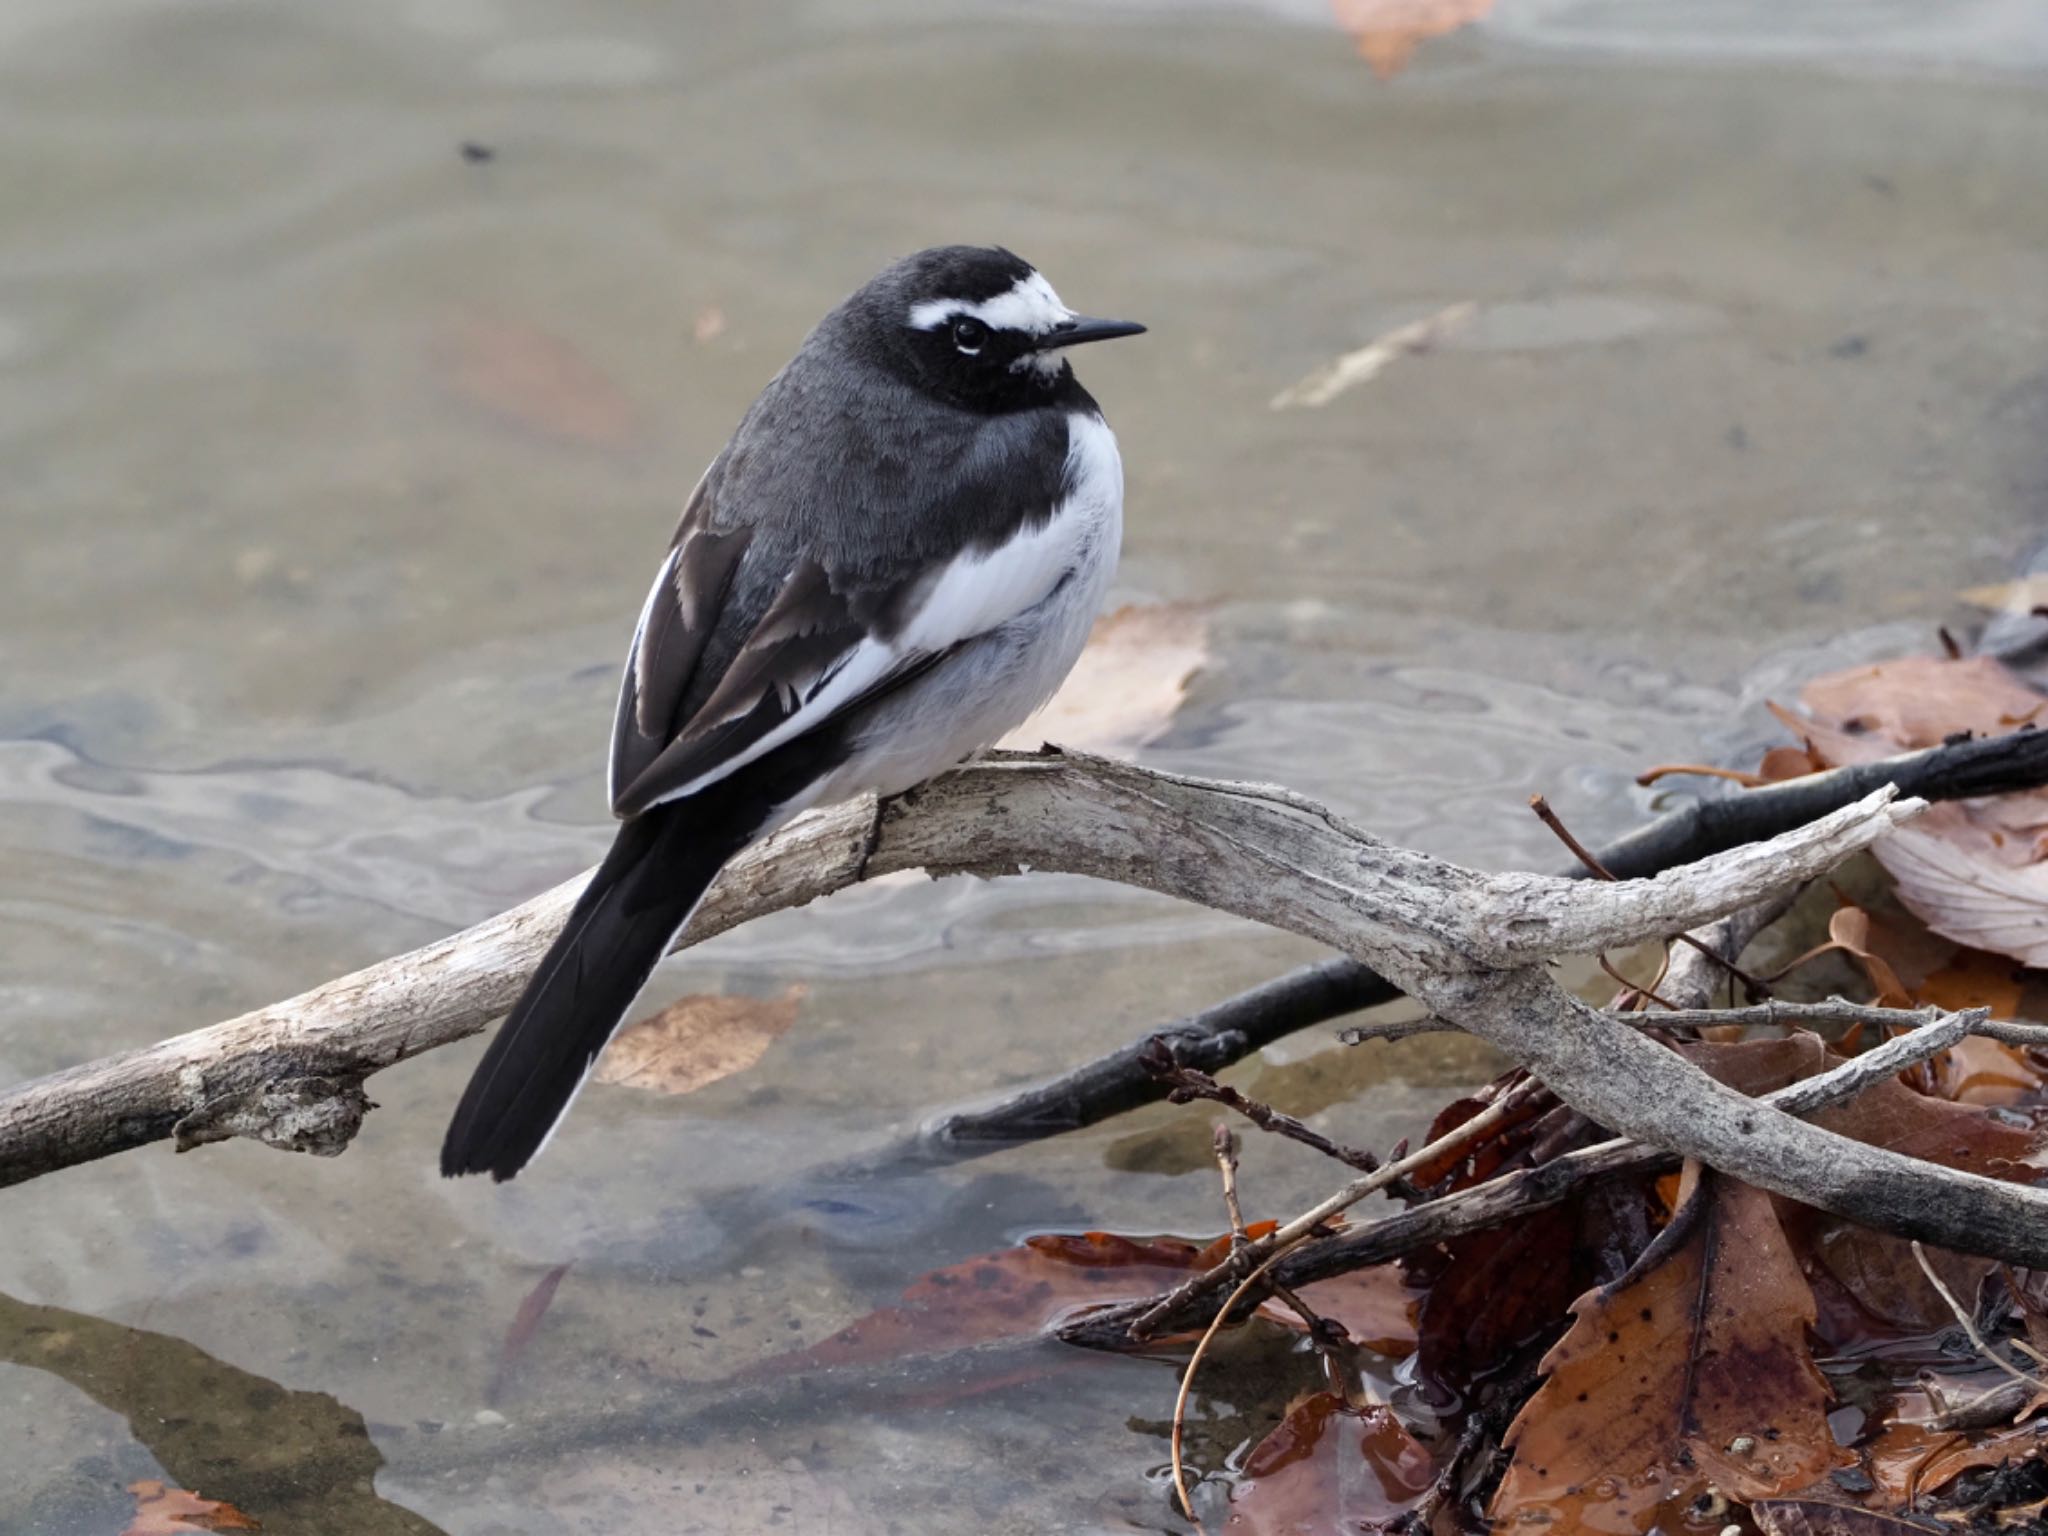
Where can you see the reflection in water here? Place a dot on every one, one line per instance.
(300, 1462)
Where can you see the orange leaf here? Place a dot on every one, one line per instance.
(1329, 1466)
(1693, 1371)
(161, 1510)
(1389, 31)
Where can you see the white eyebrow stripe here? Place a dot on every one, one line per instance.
(1029, 304)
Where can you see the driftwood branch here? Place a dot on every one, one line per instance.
(1229, 1031)
(1469, 946)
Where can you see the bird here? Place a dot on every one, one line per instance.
(893, 562)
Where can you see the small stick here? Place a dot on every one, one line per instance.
(1226, 1160)
(1969, 1324)
(1187, 1380)
(1774, 1013)
(1192, 1083)
(1308, 1221)
(1650, 776)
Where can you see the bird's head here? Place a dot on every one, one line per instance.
(974, 324)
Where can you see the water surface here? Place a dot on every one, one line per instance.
(334, 461)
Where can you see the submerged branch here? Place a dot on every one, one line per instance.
(1233, 1029)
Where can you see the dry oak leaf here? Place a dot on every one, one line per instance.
(1972, 871)
(1123, 692)
(161, 1510)
(697, 1040)
(1330, 1466)
(1389, 31)
(1692, 1371)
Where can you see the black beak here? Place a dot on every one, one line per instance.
(1071, 333)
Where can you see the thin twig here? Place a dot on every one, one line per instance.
(1577, 849)
(1969, 1324)
(1650, 776)
(1187, 1380)
(1308, 1221)
(1189, 1083)
(1775, 1013)
(1591, 860)
(1226, 1161)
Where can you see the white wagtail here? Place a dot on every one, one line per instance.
(894, 562)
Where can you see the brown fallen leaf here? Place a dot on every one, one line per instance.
(1389, 31)
(1972, 871)
(1123, 692)
(697, 1040)
(161, 1510)
(519, 1333)
(1693, 1371)
(1008, 1294)
(535, 380)
(1330, 1466)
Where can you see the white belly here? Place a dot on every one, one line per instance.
(995, 682)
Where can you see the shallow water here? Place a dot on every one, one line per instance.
(334, 463)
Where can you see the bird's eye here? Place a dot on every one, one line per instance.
(969, 335)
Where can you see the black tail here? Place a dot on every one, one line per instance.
(635, 904)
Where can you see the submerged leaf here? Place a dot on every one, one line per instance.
(161, 1510)
(1009, 1294)
(1123, 692)
(533, 379)
(1330, 1466)
(697, 1040)
(1692, 1372)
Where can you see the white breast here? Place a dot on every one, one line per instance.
(1042, 591)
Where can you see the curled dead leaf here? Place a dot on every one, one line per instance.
(1123, 692)
(698, 1040)
(1971, 870)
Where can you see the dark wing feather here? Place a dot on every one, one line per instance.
(797, 646)
(669, 645)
